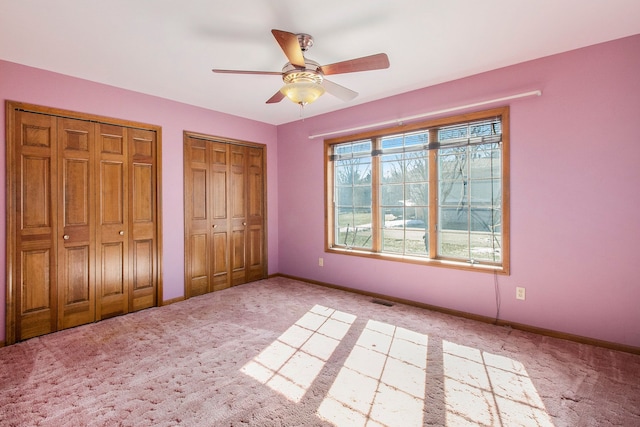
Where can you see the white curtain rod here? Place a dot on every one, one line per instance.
(431, 113)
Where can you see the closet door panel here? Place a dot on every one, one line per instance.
(255, 252)
(143, 275)
(197, 222)
(34, 222)
(219, 208)
(142, 222)
(113, 285)
(197, 264)
(36, 194)
(76, 283)
(220, 264)
(238, 213)
(112, 281)
(36, 293)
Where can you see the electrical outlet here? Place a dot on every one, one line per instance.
(520, 293)
(321, 262)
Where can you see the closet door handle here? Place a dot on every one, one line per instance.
(244, 223)
(215, 225)
(66, 237)
(121, 232)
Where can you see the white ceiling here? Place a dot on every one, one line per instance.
(167, 48)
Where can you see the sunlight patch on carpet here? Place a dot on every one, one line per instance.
(382, 382)
(487, 389)
(292, 362)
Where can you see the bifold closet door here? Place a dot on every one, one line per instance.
(256, 257)
(224, 214)
(248, 256)
(82, 220)
(206, 217)
(34, 219)
(143, 233)
(76, 219)
(126, 237)
(238, 213)
(112, 234)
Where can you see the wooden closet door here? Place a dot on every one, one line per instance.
(76, 254)
(256, 257)
(224, 214)
(218, 212)
(142, 222)
(83, 238)
(33, 254)
(238, 214)
(206, 218)
(112, 240)
(197, 233)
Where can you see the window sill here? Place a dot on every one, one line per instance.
(446, 263)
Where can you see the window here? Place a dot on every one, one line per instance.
(434, 192)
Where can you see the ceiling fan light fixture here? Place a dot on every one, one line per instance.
(302, 92)
(302, 87)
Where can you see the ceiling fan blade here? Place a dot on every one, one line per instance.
(277, 97)
(366, 63)
(269, 73)
(290, 46)
(338, 91)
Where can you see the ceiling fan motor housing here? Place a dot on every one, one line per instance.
(311, 72)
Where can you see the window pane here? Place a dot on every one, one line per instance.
(416, 167)
(484, 192)
(416, 237)
(452, 218)
(406, 234)
(392, 195)
(470, 195)
(404, 193)
(344, 196)
(343, 174)
(485, 247)
(453, 192)
(485, 164)
(362, 197)
(362, 171)
(352, 194)
(482, 220)
(393, 141)
(392, 172)
(453, 244)
(418, 194)
(452, 132)
(354, 228)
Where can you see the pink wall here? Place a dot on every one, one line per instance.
(575, 197)
(574, 182)
(25, 84)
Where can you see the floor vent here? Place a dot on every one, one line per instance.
(382, 302)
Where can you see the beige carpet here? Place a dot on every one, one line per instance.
(284, 353)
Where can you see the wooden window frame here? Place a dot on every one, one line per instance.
(502, 267)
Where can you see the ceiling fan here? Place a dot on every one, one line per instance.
(304, 80)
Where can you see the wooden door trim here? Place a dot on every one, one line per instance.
(10, 190)
(212, 138)
(70, 114)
